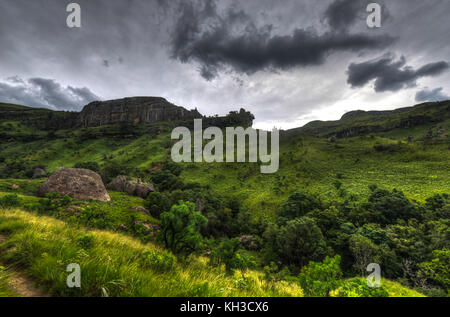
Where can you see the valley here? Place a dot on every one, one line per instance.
(373, 180)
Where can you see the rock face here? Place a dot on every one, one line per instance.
(38, 173)
(76, 183)
(248, 242)
(131, 186)
(133, 110)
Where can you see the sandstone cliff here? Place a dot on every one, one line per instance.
(133, 110)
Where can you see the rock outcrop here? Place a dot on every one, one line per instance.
(131, 186)
(248, 242)
(76, 183)
(133, 110)
(39, 172)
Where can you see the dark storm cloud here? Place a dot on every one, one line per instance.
(389, 74)
(217, 40)
(42, 92)
(431, 95)
(342, 14)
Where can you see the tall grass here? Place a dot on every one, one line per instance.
(116, 265)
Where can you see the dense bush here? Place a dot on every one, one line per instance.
(357, 287)
(298, 205)
(157, 203)
(9, 201)
(228, 253)
(386, 207)
(165, 180)
(297, 243)
(159, 261)
(438, 269)
(180, 228)
(52, 203)
(86, 241)
(319, 279)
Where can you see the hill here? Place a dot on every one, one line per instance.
(357, 123)
(382, 189)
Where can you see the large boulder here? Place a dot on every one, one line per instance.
(131, 186)
(76, 183)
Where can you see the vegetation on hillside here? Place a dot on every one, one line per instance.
(338, 203)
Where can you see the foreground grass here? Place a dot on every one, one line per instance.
(397, 290)
(116, 265)
(5, 289)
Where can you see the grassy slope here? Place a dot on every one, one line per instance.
(312, 164)
(118, 211)
(43, 247)
(307, 163)
(115, 265)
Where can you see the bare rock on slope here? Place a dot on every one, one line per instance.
(38, 173)
(76, 183)
(131, 186)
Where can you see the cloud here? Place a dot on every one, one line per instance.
(47, 93)
(431, 95)
(231, 40)
(389, 74)
(342, 14)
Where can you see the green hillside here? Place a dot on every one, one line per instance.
(372, 181)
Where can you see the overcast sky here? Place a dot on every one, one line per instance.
(287, 61)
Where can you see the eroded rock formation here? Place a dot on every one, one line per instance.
(133, 110)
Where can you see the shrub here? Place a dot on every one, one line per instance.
(180, 228)
(53, 202)
(157, 203)
(86, 241)
(298, 205)
(386, 207)
(165, 180)
(319, 279)
(298, 242)
(357, 287)
(95, 217)
(228, 253)
(9, 201)
(438, 269)
(159, 261)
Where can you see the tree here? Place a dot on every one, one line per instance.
(157, 203)
(386, 207)
(300, 241)
(319, 279)
(364, 251)
(228, 253)
(180, 228)
(438, 269)
(298, 205)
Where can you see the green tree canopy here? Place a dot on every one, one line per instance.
(180, 228)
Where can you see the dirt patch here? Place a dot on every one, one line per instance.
(22, 285)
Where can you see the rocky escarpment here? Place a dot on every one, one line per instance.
(133, 110)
